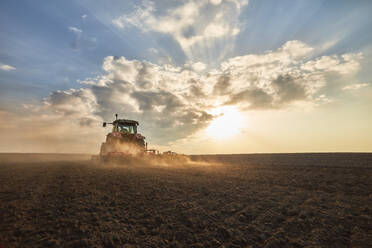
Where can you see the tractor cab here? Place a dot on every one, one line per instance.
(125, 126)
(123, 138)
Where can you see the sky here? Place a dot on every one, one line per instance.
(207, 76)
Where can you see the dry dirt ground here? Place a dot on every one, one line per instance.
(268, 200)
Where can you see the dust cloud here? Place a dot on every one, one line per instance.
(162, 160)
(47, 133)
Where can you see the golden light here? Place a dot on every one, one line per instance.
(228, 124)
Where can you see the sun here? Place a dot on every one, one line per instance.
(228, 123)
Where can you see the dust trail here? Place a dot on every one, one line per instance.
(136, 156)
(162, 161)
(129, 148)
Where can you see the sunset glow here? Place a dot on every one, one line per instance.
(228, 123)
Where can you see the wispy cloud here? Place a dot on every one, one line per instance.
(355, 86)
(81, 39)
(6, 67)
(186, 23)
(77, 36)
(75, 30)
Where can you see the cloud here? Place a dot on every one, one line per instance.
(74, 103)
(222, 86)
(344, 64)
(285, 76)
(77, 36)
(163, 96)
(80, 40)
(355, 86)
(153, 50)
(216, 2)
(173, 103)
(257, 99)
(6, 67)
(289, 89)
(75, 30)
(187, 23)
(198, 66)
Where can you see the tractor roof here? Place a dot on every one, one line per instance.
(125, 121)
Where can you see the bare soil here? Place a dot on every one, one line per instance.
(265, 200)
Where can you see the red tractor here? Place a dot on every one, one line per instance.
(123, 142)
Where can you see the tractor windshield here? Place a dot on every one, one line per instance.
(123, 127)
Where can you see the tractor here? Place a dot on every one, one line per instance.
(125, 144)
(122, 142)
